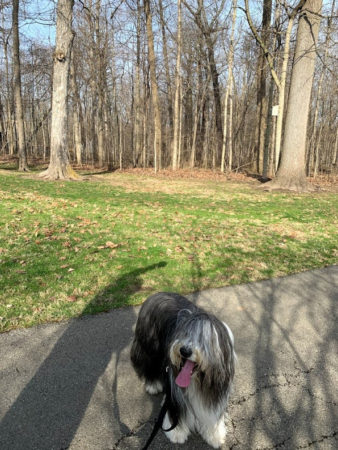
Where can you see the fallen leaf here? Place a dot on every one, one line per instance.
(110, 244)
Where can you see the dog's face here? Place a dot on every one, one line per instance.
(196, 349)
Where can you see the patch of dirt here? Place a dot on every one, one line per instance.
(200, 182)
(152, 181)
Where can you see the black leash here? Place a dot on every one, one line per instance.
(159, 420)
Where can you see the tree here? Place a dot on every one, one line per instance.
(280, 81)
(19, 119)
(209, 27)
(262, 99)
(154, 89)
(177, 104)
(59, 166)
(228, 88)
(291, 173)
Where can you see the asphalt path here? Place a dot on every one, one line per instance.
(71, 385)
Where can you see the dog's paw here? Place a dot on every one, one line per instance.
(216, 436)
(154, 388)
(179, 434)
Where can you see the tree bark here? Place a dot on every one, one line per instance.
(76, 115)
(59, 166)
(291, 173)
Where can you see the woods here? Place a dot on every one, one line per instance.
(188, 83)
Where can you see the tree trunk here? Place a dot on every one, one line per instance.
(262, 100)
(76, 116)
(154, 89)
(19, 120)
(291, 173)
(317, 129)
(100, 50)
(230, 131)
(281, 92)
(229, 82)
(216, 90)
(166, 64)
(137, 89)
(177, 104)
(59, 165)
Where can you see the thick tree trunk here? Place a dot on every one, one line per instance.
(281, 92)
(291, 173)
(59, 166)
(78, 147)
(19, 121)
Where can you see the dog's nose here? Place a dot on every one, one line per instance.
(185, 352)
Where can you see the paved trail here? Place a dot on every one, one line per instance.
(71, 386)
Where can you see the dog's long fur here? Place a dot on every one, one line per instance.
(167, 323)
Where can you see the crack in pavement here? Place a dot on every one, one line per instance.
(318, 441)
(131, 433)
(289, 381)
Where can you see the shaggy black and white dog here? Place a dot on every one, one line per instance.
(188, 353)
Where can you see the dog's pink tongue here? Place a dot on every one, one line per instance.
(184, 377)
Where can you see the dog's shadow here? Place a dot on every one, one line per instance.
(50, 408)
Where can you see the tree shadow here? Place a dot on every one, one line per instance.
(292, 334)
(48, 411)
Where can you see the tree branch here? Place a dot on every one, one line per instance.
(262, 44)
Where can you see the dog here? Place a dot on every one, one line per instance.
(189, 354)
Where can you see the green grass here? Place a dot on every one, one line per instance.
(74, 248)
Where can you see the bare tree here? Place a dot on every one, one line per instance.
(154, 88)
(177, 103)
(124, 86)
(291, 173)
(228, 89)
(19, 119)
(209, 28)
(59, 165)
(262, 98)
(280, 81)
(313, 151)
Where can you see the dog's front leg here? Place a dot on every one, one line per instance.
(215, 435)
(179, 434)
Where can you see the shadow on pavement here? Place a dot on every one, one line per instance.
(50, 408)
(291, 356)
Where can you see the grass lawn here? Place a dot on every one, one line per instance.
(73, 248)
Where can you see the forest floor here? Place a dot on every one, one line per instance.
(75, 248)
